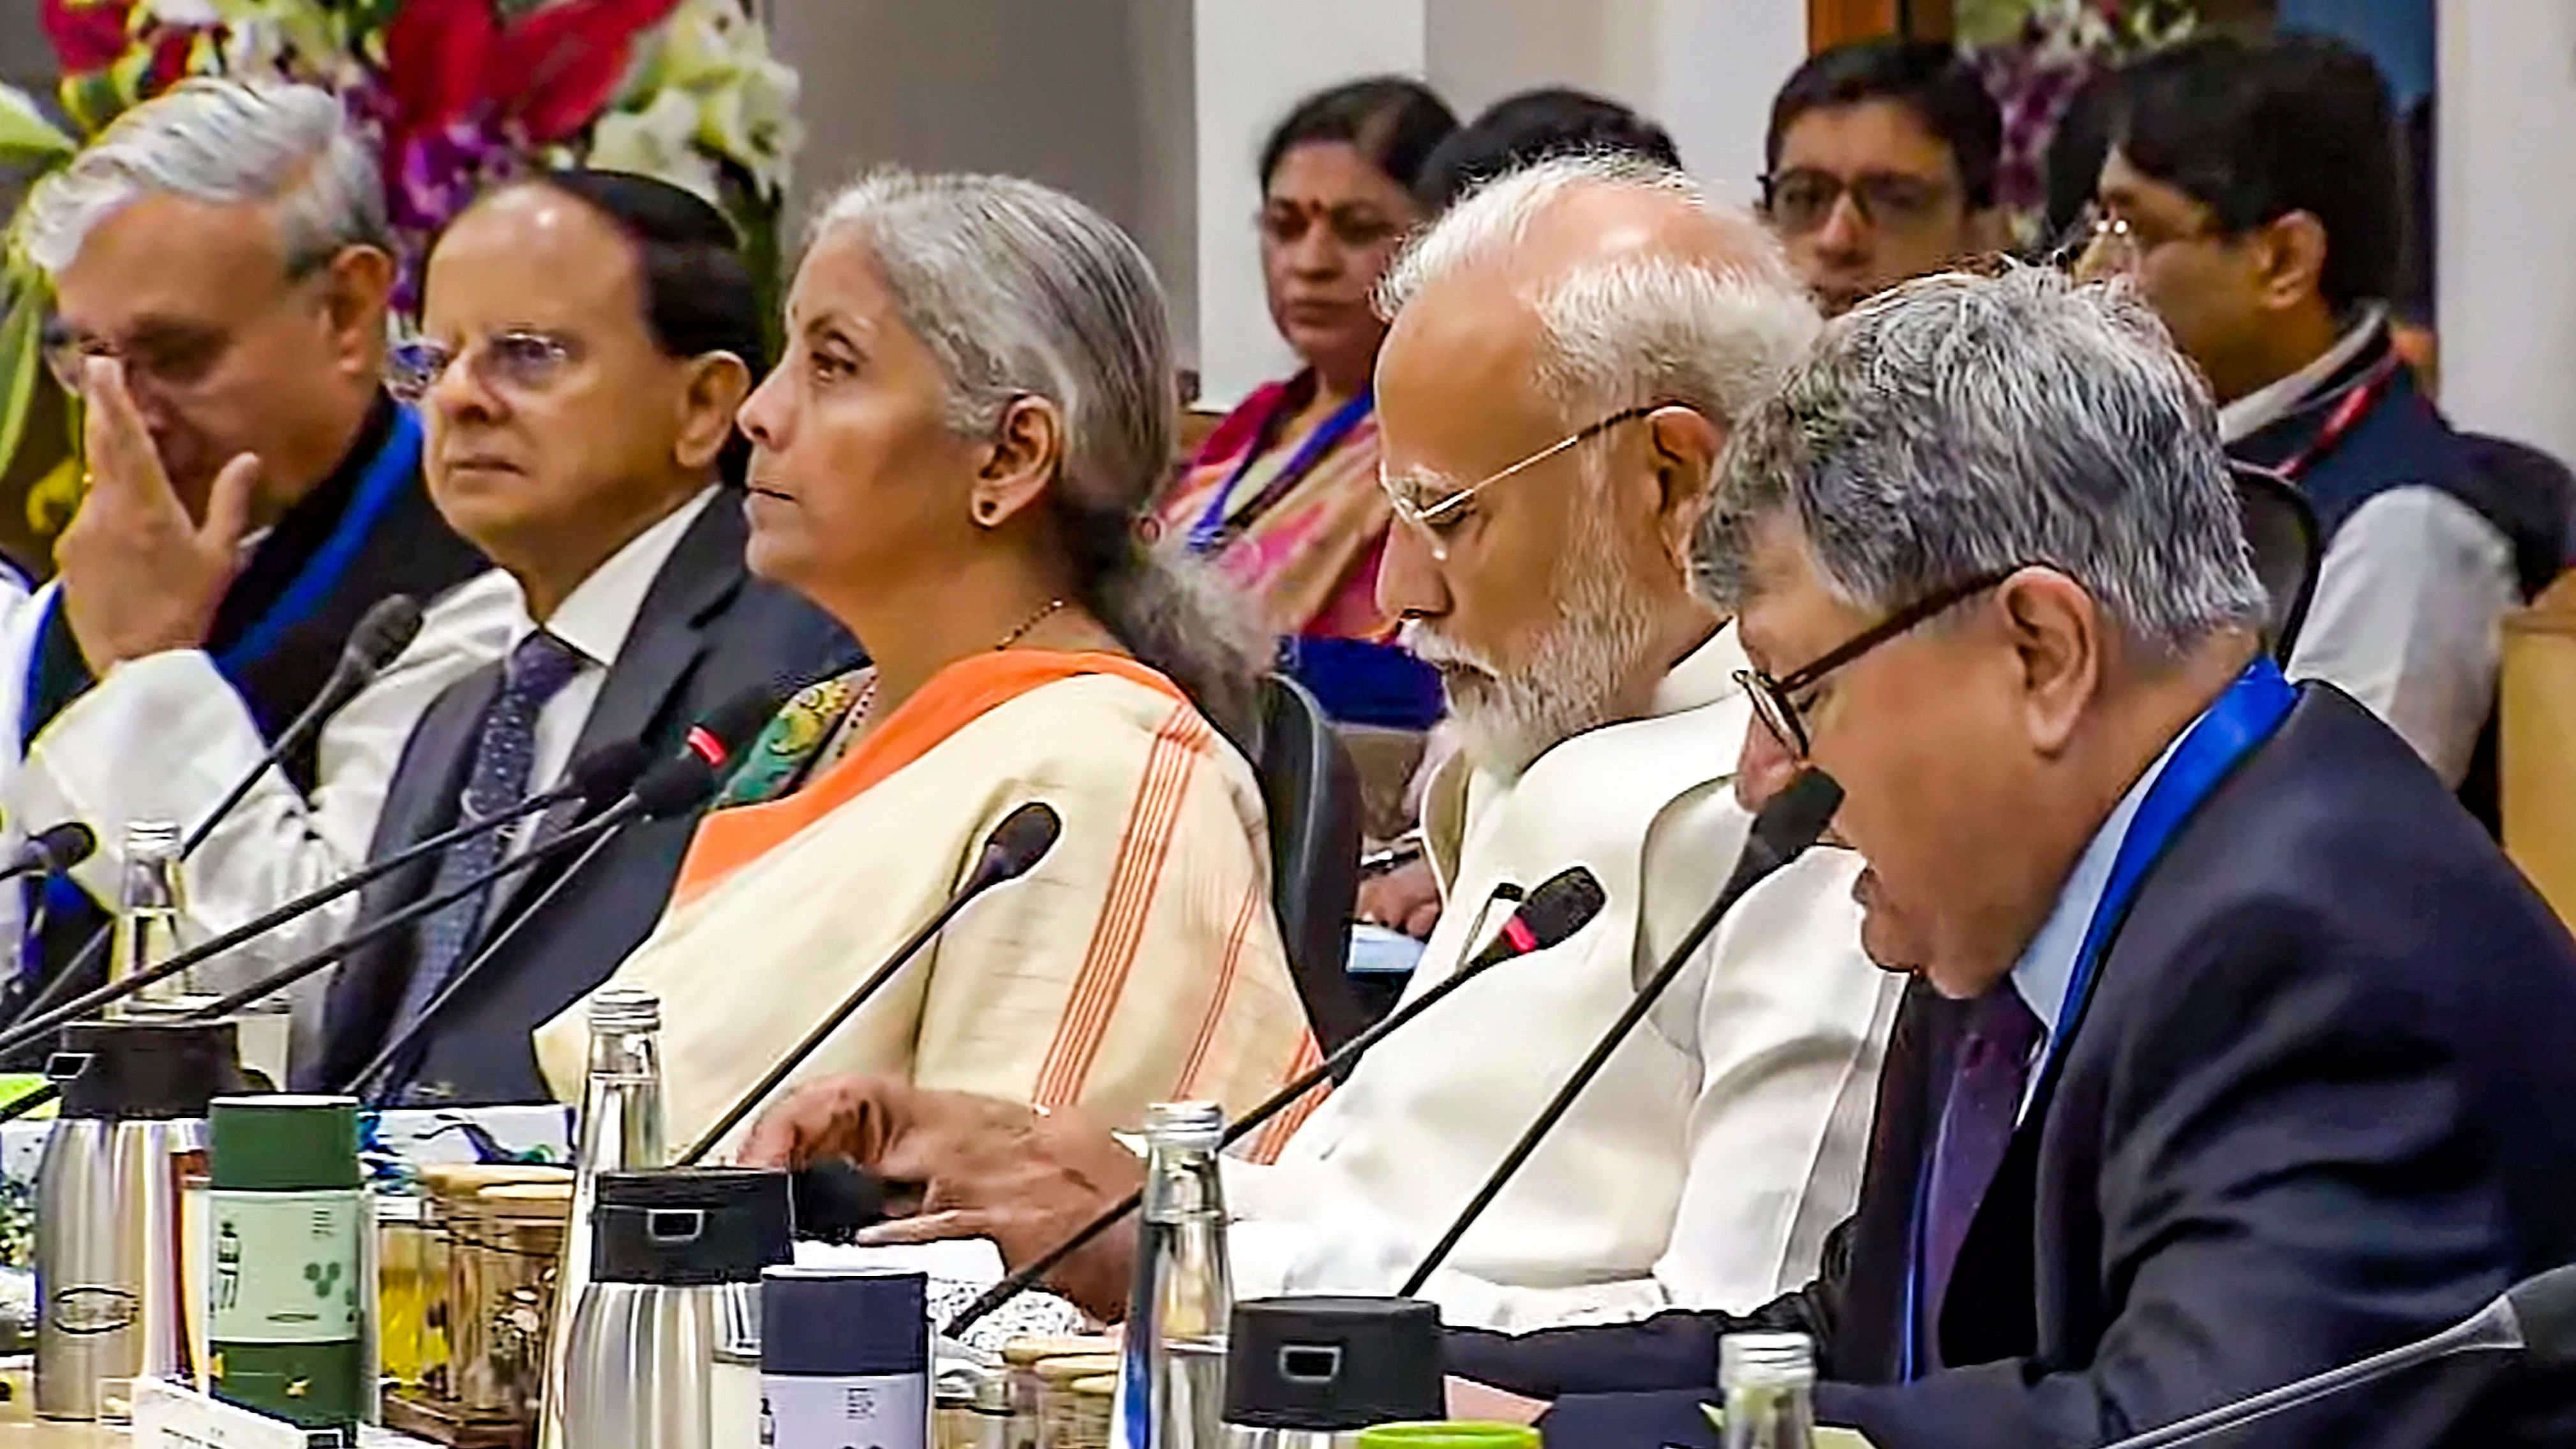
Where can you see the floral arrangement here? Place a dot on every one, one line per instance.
(457, 93)
(2037, 56)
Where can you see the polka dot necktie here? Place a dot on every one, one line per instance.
(505, 749)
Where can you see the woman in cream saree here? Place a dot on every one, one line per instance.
(950, 459)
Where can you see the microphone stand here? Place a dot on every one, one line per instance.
(359, 1084)
(1781, 832)
(381, 630)
(849, 1006)
(287, 976)
(1028, 1275)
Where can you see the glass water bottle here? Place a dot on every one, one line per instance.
(150, 908)
(621, 1131)
(1171, 1383)
(1769, 1380)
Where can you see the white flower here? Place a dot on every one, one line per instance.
(658, 141)
(183, 12)
(751, 119)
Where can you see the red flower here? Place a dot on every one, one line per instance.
(87, 35)
(543, 78)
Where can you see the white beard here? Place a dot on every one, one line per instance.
(1603, 636)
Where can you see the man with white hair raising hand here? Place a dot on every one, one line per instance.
(1569, 349)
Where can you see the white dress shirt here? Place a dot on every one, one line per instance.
(2411, 596)
(2045, 972)
(594, 620)
(1706, 1163)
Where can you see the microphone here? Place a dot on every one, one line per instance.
(601, 772)
(380, 635)
(51, 852)
(286, 976)
(2535, 1317)
(1011, 851)
(1562, 905)
(1785, 827)
(681, 783)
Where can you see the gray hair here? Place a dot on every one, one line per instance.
(1019, 290)
(1965, 425)
(1637, 330)
(224, 143)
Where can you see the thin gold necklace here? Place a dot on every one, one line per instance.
(868, 696)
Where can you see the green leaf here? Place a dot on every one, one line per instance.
(25, 133)
(22, 356)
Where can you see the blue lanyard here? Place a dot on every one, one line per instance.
(1210, 530)
(2241, 719)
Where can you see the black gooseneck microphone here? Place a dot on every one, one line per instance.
(377, 930)
(53, 851)
(603, 771)
(1011, 851)
(681, 783)
(2535, 1317)
(1782, 830)
(1563, 904)
(379, 637)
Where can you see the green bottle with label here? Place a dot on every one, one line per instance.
(288, 1208)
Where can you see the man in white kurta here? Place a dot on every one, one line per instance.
(1567, 351)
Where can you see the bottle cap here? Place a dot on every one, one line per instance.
(624, 1009)
(283, 1143)
(690, 1226)
(843, 1322)
(1766, 1360)
(1332, 1364)
(1185, 1124)
(137, 1069)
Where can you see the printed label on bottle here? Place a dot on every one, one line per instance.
(286, 1266)
(85, 1309)
(886, 1412)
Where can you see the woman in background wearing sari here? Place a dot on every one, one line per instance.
(975, 405)
(1284, 493)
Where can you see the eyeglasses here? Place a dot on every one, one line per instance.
(1775, 701)
(517, 360)
(172, 357)
(2104, 244)
(1431, 521)
(1803, 200)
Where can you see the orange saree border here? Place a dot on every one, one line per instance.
(957, 696)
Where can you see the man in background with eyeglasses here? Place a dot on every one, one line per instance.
(221, 269)
(1570, 347)
(1881, 167)
(586, 340)
(2251, 193)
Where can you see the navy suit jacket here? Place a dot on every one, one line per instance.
(2316, 1107)
(707, 631)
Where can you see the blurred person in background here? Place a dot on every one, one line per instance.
(2252, 194)
(1534, 126)
(1283, 495)
(1881, 167)
(974, 406)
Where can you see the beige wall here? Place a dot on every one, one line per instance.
(1094, 96)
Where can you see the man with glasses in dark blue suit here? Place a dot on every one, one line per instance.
(2235, 1043)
